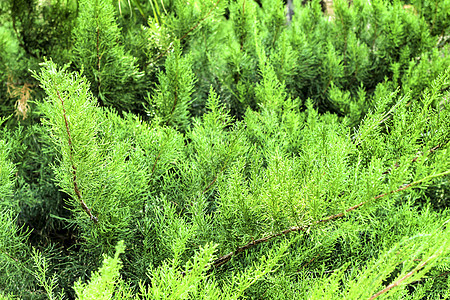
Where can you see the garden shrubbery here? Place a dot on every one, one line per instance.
(221, 150)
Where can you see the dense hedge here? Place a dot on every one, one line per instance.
(224, 150)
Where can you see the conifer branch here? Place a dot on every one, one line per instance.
(175, 101)
(434, 15)
(396, 165)
(225, 164)
(175, 95)
(398, 282)
(199, 22)
(99, 58)
(215, 177)
(328, 85)
(74, 168)
(98, 50)
(242, 37)
(224, 259)
(189, 31)
(9, 255)
(156, 161)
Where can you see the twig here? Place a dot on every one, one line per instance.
(225, 164)
(175, 95)
(224, 259)
(99, 58)
(394, 284)
(312, 259)
(396, 165)
(199, 22)
(74, 168)
(154, 165)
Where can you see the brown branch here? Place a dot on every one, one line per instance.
(434, 149)
(396, 165)
(212, 182)
(224, 259)
(74, 168)
(397, 283)
(199, 22)
(217, 175)
(9, 256)
(156, 161)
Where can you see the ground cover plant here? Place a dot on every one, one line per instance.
(170, 149)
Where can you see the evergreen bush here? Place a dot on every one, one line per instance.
(112, 72)
(221, 150)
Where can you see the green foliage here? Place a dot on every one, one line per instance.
(113, 73)
(171, 282)
(218, 150)
(14, 251)
(36, 193)
(14, 256)
(43, 28)
(6, 172)
(101, 285)
(49, 284)
(404, 263)
(73, 116)
(436, 14)
(29, 31)
(172, 96)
